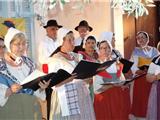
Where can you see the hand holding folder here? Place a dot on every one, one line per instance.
(67, 80)
(126, 65)
(123, 82)
(83, 70)
(55, 78)
(144, 67)
(86, 69)
(134, 78)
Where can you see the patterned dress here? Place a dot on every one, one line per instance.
(113, 103)
(141, 87)
(153, 111)
(91, 59)
(22, 105)
(58, 106)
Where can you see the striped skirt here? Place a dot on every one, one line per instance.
(84, 101)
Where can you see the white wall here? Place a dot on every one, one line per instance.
(117, 21)
(98, 14)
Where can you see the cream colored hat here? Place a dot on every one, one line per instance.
(62, 32)
(143, 32)
(106, 36)
(9, 36)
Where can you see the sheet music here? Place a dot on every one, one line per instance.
(35, 74)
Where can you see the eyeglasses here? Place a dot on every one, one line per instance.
(19, 44)
(141, 37)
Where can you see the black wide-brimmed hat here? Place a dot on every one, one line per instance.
(84, 24)
(52, 23)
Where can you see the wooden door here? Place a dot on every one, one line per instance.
(148, 23)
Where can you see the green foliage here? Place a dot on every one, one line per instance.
(132, 7)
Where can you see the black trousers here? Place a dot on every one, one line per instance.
(48, 98)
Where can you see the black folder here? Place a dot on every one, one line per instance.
(56, 78)
(86, 69)
(134, 78)
(126, 65)
(123, 82)
(144, 67)
(83, 70)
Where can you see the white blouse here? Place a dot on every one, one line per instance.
(59, 62)
(46, 48)
(20, 73)
(98, 80)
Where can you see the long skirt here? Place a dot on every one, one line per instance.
(158, 99)
(113, 104)
(152, 103)
(20, 107)
(85, 104)
(153, 112)
(141, 90)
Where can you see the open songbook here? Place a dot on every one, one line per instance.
(144, 67)
(83, 70)
(126, 65)
(86, 69)
(122, 82)
(35, 74)
(33, 80)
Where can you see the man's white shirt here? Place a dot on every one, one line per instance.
(46, 48)
(78, 41)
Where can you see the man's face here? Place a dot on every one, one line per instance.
(52, 32)
(83, 31)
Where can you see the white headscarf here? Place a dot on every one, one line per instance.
(147, 37)
(106, 36)
(84, 41)
(62, 32)
(143, 32)
(9, 36)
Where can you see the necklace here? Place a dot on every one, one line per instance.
(64, 52)
(67, 56)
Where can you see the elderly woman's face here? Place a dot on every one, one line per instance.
(18, 47)
(104, 49)
(69, 42)
(141, 40)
